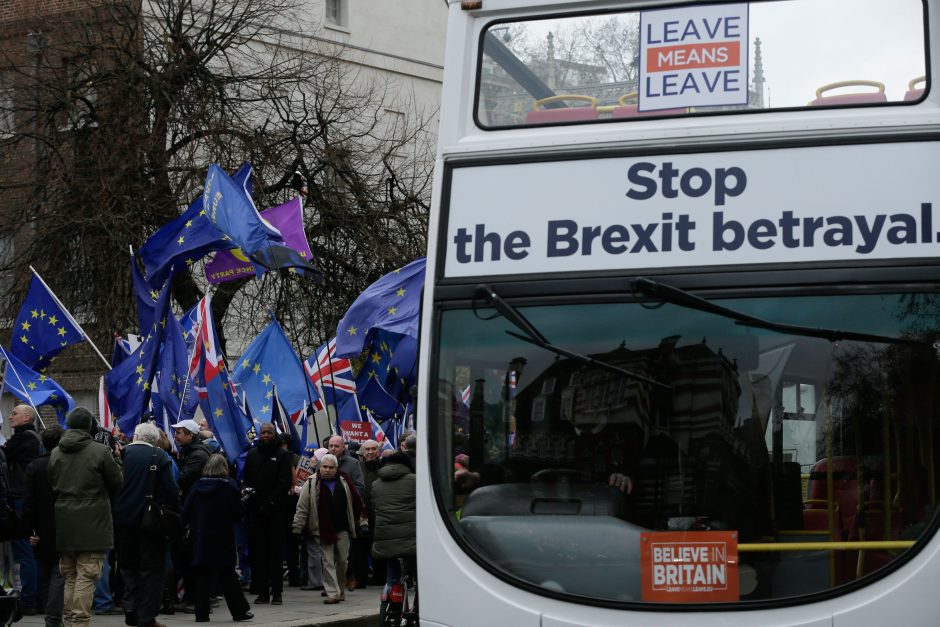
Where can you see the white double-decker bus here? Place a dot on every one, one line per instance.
(680, 331)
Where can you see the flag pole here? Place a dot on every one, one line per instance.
(69, 316)
(313, 417)
(9, 366)
(190, 357)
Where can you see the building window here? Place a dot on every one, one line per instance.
(336, 13)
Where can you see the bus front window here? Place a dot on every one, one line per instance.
(553, 466)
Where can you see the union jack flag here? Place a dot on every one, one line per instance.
(327, 371)
(466, 395)
(205, 343)
(104, 410)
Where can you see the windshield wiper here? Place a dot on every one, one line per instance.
(534, 336)
(676, 296)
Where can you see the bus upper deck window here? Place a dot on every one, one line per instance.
(792, 54)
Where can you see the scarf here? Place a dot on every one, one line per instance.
(324, 496)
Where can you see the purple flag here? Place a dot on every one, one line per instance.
(229, 265)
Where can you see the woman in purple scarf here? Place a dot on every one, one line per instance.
(331, 511)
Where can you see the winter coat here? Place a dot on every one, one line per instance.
(394, 495)
(84, 478)
(306, 518)
(39, 507)
(21, 450)
(212, 508)
(131, 499)
(350, 465)
(370, 472)
(268, 473)
(192, 458)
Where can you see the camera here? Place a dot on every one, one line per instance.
(105, 437)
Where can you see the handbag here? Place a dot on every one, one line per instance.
(159, 521)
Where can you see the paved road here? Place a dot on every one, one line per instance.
(300, 609)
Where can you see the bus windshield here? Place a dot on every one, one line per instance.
(773, 55)
(554, 467)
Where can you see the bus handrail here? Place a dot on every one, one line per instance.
(875, 545)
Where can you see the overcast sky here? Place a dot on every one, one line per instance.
(808, 44)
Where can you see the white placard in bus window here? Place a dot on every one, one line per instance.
(693, 57)
(788, 205)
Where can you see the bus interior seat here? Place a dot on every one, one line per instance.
(864, 97)
(845, 488)
(554, 115)
(629, 108)
(913, 92)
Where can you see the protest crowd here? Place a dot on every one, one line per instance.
(199, 478)
(326, 521)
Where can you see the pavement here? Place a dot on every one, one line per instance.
(301, 608)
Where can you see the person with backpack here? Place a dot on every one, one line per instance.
(21, 450)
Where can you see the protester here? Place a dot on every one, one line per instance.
(39, 515)
(21, 449)
(211, 510)
(192, 457)
(394, 496)
(206, 436)
(291, 542)
(148, 470)
(268, 475)
(330, 510)
(362, 548)
(84, 477)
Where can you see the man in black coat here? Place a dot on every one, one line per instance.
(21, 450)
(193, 454)
(142, 557)
(268, 474)
(39, 516)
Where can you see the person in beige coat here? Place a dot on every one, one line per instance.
(330, 511)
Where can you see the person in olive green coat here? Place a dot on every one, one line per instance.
(393, 497)
(84, 477)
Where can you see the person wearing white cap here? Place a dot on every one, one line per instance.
(193, 454)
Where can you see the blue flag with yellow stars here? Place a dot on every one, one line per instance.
(231, 210)
(185, 240)
(129, 384)
(35, 388)
(376, 364)
(403, 369)
(145, 298)
(175, 389)
(42, 328)
(375, 400)
(228, 422)
(391, 303)
(271, 360)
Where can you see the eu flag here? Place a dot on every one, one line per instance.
(268, 361)
(129, 384)
(145, 297)
(229, 423)
(35, 388)
(380, 347)
(375, 400)
(175, 390)
(43, 328)
(391, 303)
(231, 210)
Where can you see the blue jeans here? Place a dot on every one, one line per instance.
(26, 561)
(103, 600)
